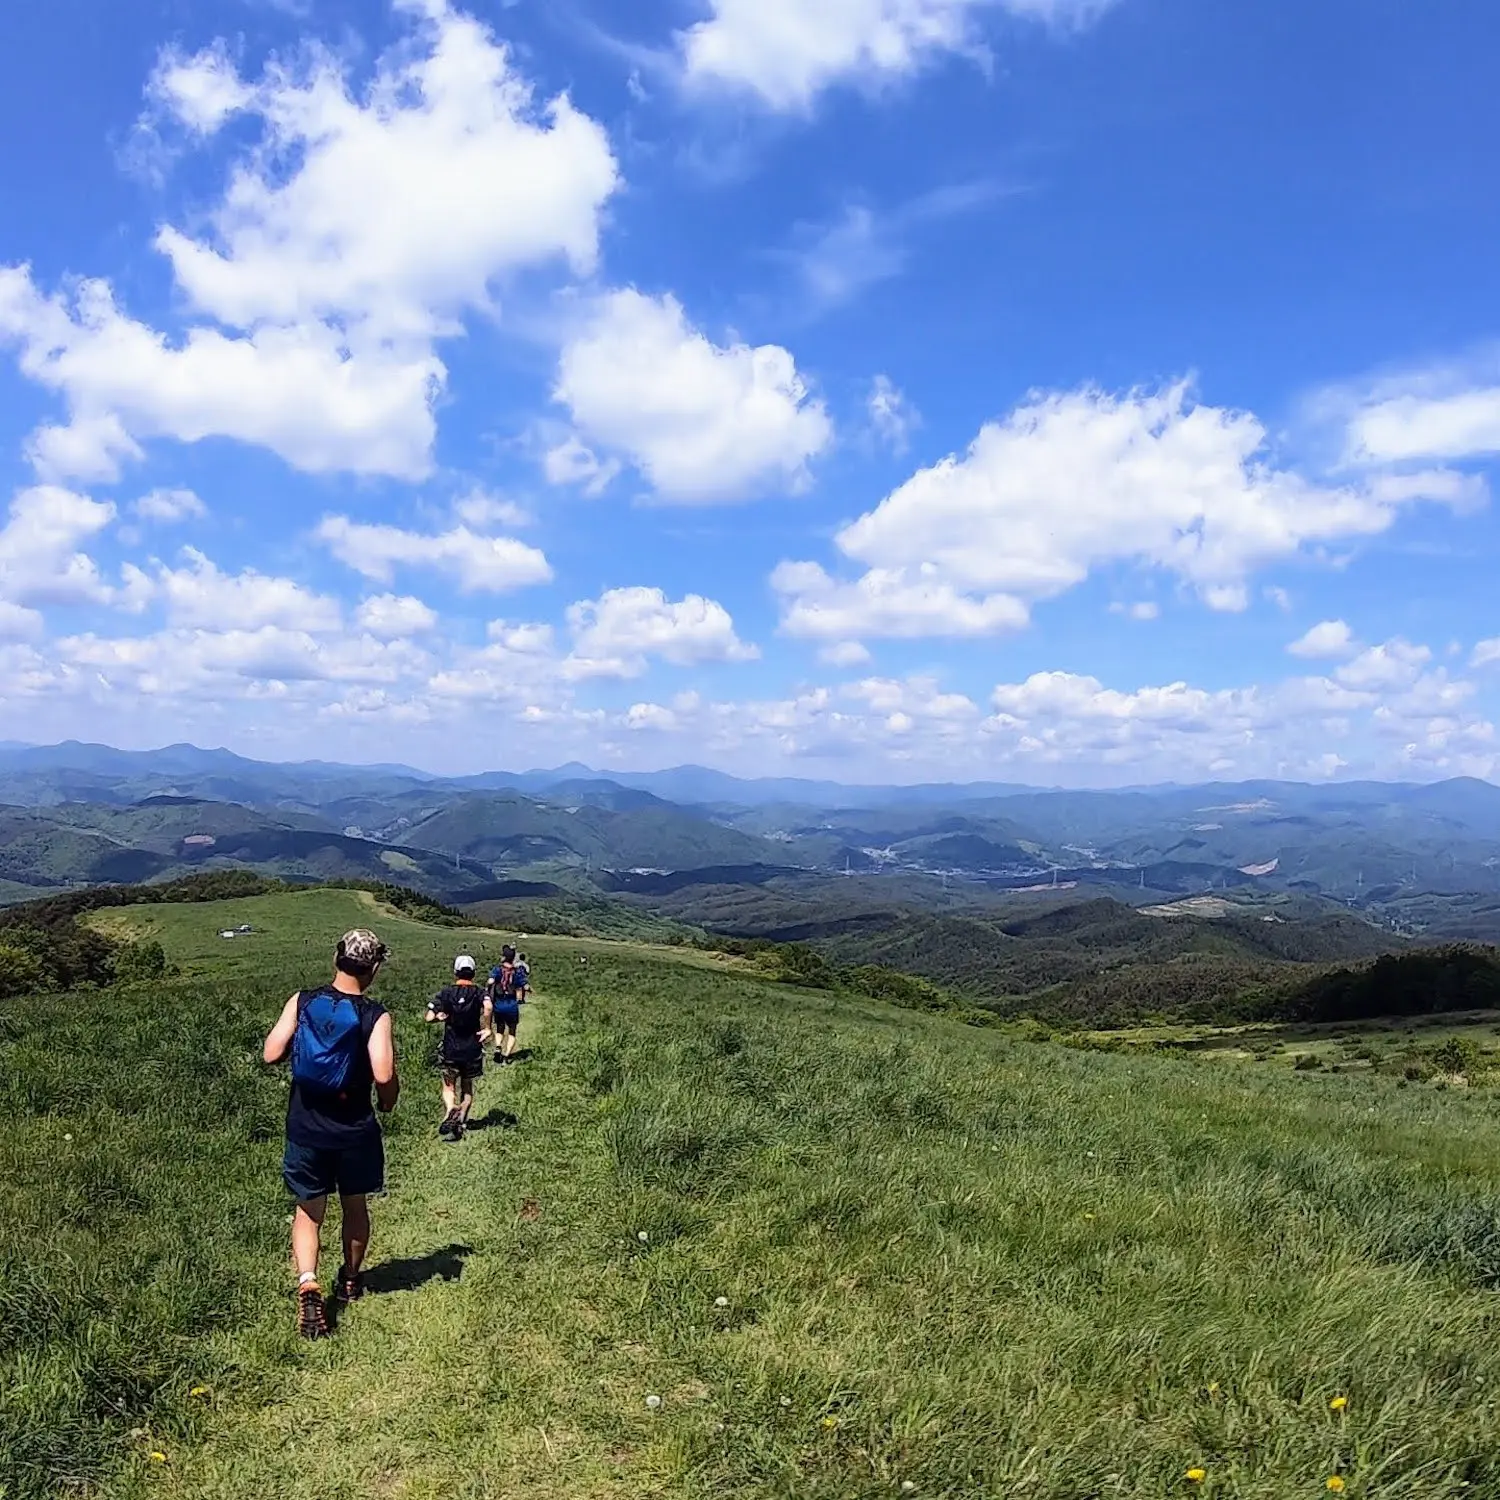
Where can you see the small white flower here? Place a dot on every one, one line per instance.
(642, 1236)
(908, 1487)
(786, 1400)
(653, 1403)
(721, 1301)
(67, 1138)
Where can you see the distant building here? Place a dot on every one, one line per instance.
(229, 933)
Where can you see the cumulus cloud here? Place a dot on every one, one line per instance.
(299, 390)
(41, 556)
(477, 564)
(200, 596)
(893, 602)
(617, 634)
(169, 506)
(1068, 483)
(1330, 639)
(786, 52)
(398, 207)
(262, 662)
(844, 654)
(390, 617)
(703, 422)
(360, 229)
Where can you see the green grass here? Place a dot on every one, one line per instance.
(949, 1259)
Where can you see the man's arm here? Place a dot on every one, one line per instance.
(486, 1019)
(383, 1065)
(280, 1039)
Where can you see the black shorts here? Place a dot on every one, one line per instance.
(507, 1014)
(461, 1072)
(316, 1171)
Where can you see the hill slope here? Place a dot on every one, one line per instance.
(852, 1252)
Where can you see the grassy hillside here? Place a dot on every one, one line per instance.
(856, 1253)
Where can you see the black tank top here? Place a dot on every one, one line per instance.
(463, 1004)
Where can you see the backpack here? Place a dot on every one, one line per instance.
(327, 1042)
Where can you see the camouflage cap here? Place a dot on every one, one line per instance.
(361, 948)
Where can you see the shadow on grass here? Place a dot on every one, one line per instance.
(407, 1275)
(496, 1119)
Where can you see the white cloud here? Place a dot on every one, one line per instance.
(40, 557)
(1396, 664)
(844, 654)
(398, 209)
(257, 663)
(571, 462)
(483, 511)
(300, 391)
(617, 634)
(88, 448)
(395, 617)
(641, 716)
(1401, 428)
(787, 51)
(887, 602)
(479, 564)
(169, 506)
(703, 422)
(1071, 482)
(1330, 639)
(199, 596)
(1485, 653)
(17, 623)
(891, 414)
(201, 91)
(1142, 610)
(360, 229)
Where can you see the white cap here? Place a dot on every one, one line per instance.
(463, 964)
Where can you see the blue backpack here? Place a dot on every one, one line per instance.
(327, 1041)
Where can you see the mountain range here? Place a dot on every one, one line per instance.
(776, 853)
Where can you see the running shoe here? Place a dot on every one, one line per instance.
(445, 1130)
(349, 1287)
(312, 1315)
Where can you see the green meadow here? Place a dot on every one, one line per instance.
(720, 1237)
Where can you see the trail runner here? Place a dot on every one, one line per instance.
(340, 1046)
(464, 1010)
(505, 1008)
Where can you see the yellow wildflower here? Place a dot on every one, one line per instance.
(1196, 1476)
(198, 1390)
(830, 1422)
(1338, 1403)
(1213, 1388)
(158, 1458)
(1336, 1484)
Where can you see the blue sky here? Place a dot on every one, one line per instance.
(1049, 390)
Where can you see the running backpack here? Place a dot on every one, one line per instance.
(327, 1041)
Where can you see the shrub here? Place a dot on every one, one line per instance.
(21, 971)
(140, 963)
(1459, 1054)
(1309, 1062)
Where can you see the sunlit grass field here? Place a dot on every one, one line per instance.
(854, 1251)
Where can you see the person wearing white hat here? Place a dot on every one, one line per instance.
(464, 1012)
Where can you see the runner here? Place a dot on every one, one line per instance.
(340, 1046)
(505, 1008)
(523, 979)
(464, 1011)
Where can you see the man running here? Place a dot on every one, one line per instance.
(464, 1011)
(505, 1009)
(340, 1046)
(522, 978)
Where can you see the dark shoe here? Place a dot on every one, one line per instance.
(445, 1130)
(312, 1315)
(499, 1060)
(350, 1286)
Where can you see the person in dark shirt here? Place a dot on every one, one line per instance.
(341, 1048)
(465, 1013)
(505, 1009)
